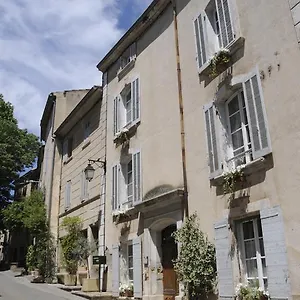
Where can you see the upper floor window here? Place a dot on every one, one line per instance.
(68, 195)
(87, 129)
(70, 146)
(84, 187)
(127, 106)
(236, 129)
(213, 30)
(128, 55)
(127, 182)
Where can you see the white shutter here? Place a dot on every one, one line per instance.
(135, 91)
(115, 271)
(115, 187)
(137, 268)
(223, 10)
(257, 118)
(137, 180)
(224, 262)
(212, 140)
(199, 29)
(82, 186)
(275, 251)
(68, 195)
(116, 115)
(65, 150)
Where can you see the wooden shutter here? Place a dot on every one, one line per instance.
(137, 268)
(223, 10)
(115, 187)
(200, 40)
(224, 261)
(68, 195)
(65, 150)
(275, 250)
(137, 181)
(212, 143)
(115, 271)
(260, 139)
(116, 115)
(135, 92)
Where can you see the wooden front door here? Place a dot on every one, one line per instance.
(169, 253)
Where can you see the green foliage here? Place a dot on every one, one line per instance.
(251, 292)
(222, 57)
(196, 262)
(31, 258)
(69, 242)
(230, 180)
(18, 150)
(13, 215)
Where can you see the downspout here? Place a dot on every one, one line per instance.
(185, 209)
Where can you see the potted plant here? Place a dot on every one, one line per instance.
(219, 60)
(126, 290)
(248, 292)
(122, 137)
(73, 227)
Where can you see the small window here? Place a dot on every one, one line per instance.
(128, 55)
(130, 262)
(87, 130)
(253, 252)
(70, 147)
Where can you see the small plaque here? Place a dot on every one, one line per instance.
(99, 260)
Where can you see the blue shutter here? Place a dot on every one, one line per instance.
(137, 268)
(137, 177)
(115, 271)
(135, 91)
(260, 139)
(212, 140)
(224, 261)
(275, 250)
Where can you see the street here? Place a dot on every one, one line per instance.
(19, 288)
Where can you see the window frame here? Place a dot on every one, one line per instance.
(68, 195)
(86, 130)
(259, 257)
(129, 267)
(125, 59)
(129, 202)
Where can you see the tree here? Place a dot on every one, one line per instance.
(18, 150)
(196, 262)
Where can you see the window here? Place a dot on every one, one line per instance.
(128, 55)
(236, 129)
(253, 252)
(70, 146)
(213, 30)
(87, 130)
(126, 182)
(68, 195)
(127, 107)
(130, 262)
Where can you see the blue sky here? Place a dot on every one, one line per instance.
(53, 45)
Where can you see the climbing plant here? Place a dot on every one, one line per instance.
(196, 262)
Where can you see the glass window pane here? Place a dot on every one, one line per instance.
(245, 116)
(129, 189)
(235, 122)
(262, 248)
(266, 284)
(264, 267)
(130, 262)
(129, 250)
(251, 266)
(237, 139)
(248, 230)
(250, 250)
(259, 228)
(130, 274)
(233, 105)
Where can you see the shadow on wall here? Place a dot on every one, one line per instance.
(155, 30)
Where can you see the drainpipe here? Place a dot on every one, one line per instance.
(185, 209)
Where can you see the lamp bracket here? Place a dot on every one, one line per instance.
(96, 161)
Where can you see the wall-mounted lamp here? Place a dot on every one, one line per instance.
(89, 171)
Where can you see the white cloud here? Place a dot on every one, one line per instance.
(51, 45)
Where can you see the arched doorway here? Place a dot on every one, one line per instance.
(169, 253)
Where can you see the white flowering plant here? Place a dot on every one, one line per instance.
(221, 57)
(248, 292)
(122, 136)
(126, 289)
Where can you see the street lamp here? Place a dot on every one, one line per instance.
(89, 171)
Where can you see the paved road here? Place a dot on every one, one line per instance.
(19, 288)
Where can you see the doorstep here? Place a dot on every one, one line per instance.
(93, 295)
(70, 288)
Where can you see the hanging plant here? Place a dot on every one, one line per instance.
(230, 180)
(122, 137)
(220, 58)
(248, 292)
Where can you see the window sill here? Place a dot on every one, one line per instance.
(122, 72)
(233, 47)
(248, 169)
(68, 160)
(124, 215)
(85, 144)
(119, 139)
